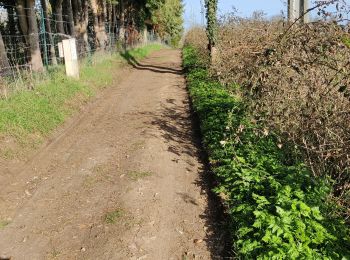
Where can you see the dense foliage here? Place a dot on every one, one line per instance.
(278, 209)
(166, 15)
(170, 21)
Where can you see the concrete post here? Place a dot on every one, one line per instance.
(71, 58)
(293, 10)
(60, 50)
(145, 36)
(304, 7)
(296, 9)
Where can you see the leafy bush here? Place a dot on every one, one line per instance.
(278, 209)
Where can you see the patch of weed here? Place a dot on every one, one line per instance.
(113, 216)
(4, 223)
(131, 56)
(138, 145)
(136, 175)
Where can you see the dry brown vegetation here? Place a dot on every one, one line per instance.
(197, 37)
(296, 80)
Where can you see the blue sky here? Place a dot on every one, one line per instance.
(245, 8)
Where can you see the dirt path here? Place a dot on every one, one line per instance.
(120, 182)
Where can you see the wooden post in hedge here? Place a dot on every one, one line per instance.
(212, 27)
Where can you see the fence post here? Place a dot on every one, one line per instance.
(71, 58)
(304, 6)
(43, 31)
(296, 9)
(293, 10)
(145, 36)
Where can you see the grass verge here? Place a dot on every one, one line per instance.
(277, 209)
(132, 56)
(27, 117)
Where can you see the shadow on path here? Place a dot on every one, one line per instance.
(158, 69)
(182, 134)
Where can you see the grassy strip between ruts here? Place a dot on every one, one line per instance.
(27, 117)
(277, 209)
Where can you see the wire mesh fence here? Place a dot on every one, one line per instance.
(30, 36)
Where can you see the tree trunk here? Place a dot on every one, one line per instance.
(11, 23)
(113, 20)
(36, 61)
(76, 7)
(122, 22)
(94, 9)
(4, 62)
(102, 23)
(29, 27)
(211, 6)
(70, 20)
(109, 16)
(57, 8)
(49, 33)
(98, 11)
(85, 23)
(81, 20)
(22, 19)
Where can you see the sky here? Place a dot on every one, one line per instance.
(245, 8)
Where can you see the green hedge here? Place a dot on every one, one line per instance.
(277, 209)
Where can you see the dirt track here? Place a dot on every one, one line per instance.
(120, 181)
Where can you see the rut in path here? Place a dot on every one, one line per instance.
(122, 181)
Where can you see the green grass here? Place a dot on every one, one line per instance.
(136, 175)
(4, 223)
(143, 52)
(113, 216)
(131, 56)
(28, 116)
